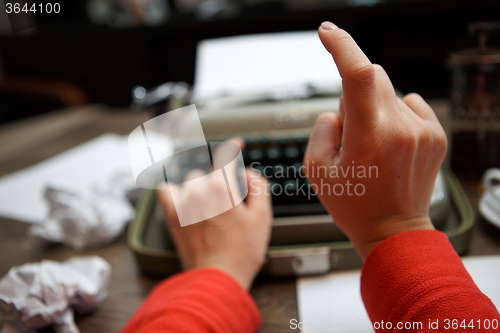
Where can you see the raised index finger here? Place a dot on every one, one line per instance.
(357, 72)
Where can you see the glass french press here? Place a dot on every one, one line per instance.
(475, 111)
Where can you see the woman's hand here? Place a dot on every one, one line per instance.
(395, 146)
(235, 241)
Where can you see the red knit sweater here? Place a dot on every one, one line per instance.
(410, 277)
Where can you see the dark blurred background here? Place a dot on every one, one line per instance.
(84, 57)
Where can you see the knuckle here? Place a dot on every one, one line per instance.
(379, 71)
(362, 72)
(378, 68)
(441, 142)
(406, 139)
(426, 137)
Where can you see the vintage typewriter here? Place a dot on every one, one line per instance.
(275, 124)
(276, 136)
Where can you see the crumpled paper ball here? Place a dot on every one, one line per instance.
(36, 295)
(85, 218)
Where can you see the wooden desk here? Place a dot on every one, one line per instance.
(31, 141)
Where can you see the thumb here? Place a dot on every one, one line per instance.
(324, 142)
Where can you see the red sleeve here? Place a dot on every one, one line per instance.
(198, 301)
(416, 276)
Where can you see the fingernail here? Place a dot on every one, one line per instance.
(328, 26)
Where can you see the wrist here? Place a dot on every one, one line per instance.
(388, 227)
(243, 274)
(244, 280)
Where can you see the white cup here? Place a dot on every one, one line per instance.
(489, 204)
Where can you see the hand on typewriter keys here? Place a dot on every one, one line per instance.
(234, 241)
(380, 181)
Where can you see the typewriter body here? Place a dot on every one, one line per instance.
(276, 134)
(276, 125)
(305, 240)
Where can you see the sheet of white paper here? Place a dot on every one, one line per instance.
(21, 193)
(263, 63)
(332, 303)
(485, 271)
